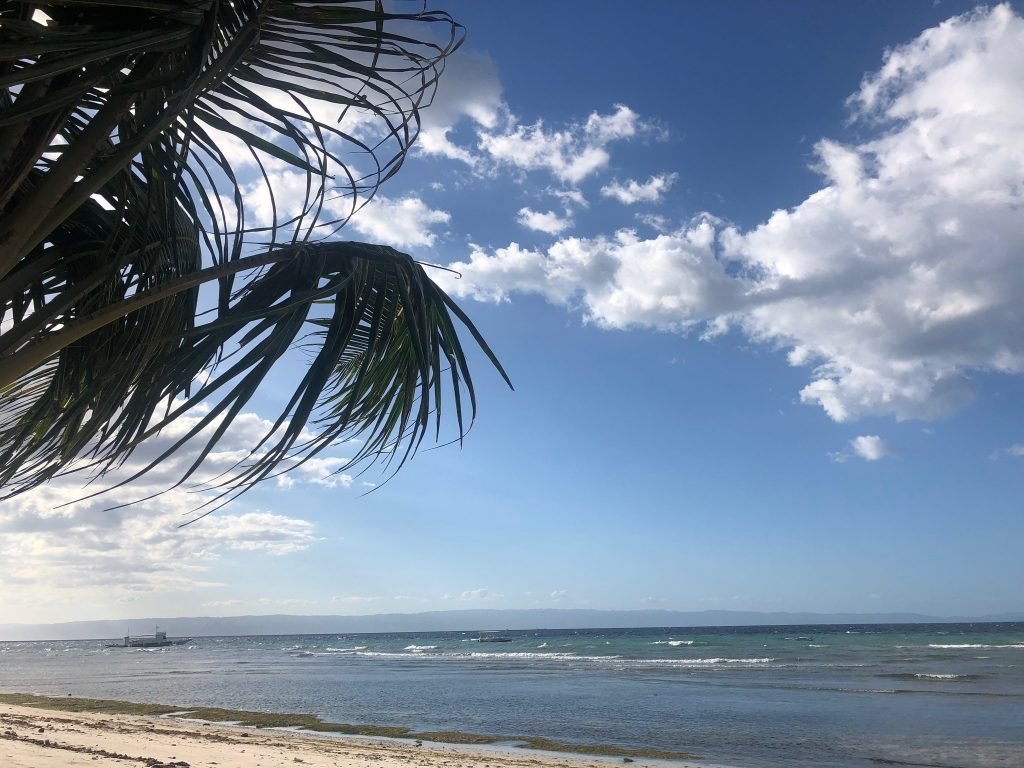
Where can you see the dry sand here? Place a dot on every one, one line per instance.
(37, 738)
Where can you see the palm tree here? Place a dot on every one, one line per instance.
(134, 285)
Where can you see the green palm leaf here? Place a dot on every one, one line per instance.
(119, 201)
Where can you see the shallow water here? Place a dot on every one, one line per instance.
(851, 695)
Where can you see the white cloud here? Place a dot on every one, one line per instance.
(571, 154)
(357, 599)
(655, 221)
(870, 447)
(469, 89)
(473, 595)
(286, 204)
(403, 223)
(344, 164)
(650, 191)
(669, 282)
(321, 471)
(543, 221)
(558, 595)
(291, 602)
(1016, 451)
(53, 541)
(894, 282)
(569, 197)
(470, 93)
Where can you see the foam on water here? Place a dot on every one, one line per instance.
(956, 646)
(944, 676)
(701, 662)
(673, 643)
(538, 656)
(923, 676)
(417, 652)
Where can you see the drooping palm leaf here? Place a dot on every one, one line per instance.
(131, 201)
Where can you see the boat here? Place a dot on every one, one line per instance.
(158, 639)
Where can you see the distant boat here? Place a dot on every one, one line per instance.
(158, 639)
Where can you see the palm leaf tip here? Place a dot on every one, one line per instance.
(381, 338)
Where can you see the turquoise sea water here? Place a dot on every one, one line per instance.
(940, 694)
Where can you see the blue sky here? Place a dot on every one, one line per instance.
(755, 273)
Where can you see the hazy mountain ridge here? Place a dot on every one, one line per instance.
(461, 620)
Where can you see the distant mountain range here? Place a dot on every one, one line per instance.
(466, 620)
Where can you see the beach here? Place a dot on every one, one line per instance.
(42, 738)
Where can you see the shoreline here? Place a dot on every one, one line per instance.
(52, 732)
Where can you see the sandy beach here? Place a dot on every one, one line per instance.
(37, 738)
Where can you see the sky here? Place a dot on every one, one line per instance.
(755, 272)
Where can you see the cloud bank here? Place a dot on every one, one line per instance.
(55, 544)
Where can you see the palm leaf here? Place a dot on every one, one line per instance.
(115, 218)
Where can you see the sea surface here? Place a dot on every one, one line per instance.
(844, 696)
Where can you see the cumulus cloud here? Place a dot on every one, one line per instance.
(669, 282)
(892, 283)
(870, 447)
(570, 154)
(469, 122)
(558, 595)
(548, 222)
(52, 540)
(650, 191)
(403, 223)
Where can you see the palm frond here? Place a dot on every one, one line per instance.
(382, 353)
(120, 196)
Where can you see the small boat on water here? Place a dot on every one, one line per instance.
(158, 639)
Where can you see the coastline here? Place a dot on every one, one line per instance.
(53, 732)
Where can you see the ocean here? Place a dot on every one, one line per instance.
(949, 695)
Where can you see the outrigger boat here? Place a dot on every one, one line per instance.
(492, 639)
(158, 639)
